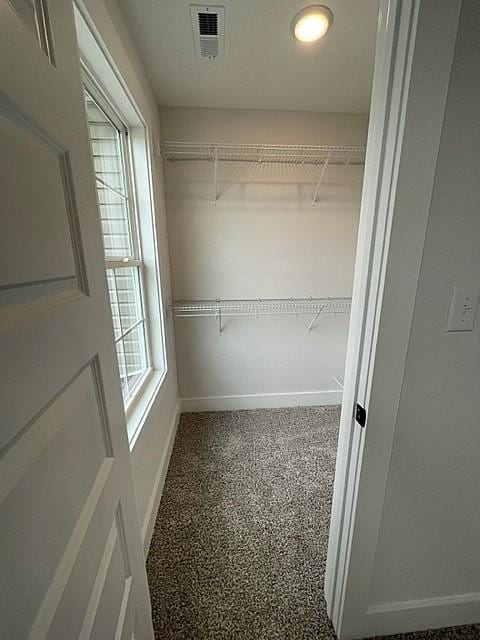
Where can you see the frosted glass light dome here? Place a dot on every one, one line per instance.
(311, 23)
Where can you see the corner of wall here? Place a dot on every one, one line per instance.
(148, 522)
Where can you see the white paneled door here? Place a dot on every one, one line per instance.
(71, 561)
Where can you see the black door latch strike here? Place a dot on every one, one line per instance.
(360, 415)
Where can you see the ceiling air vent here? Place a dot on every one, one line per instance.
(208, 30)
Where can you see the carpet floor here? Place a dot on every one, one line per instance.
(240, 541)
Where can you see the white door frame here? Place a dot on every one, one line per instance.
(415, 41)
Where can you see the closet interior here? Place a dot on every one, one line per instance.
(261, 150)
(262, 234)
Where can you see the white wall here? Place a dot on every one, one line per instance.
(428, 545)
(152, 446)
(262, 239)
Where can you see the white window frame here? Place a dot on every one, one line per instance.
(97, 64)
(97, 94)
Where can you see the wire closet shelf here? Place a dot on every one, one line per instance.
(260, 306)
(295, 155)
(276, 153)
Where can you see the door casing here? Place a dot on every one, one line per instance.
(414, 38)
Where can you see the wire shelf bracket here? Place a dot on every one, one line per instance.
(215, 175)
(319, 183)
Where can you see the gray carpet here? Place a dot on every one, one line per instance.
(239, 547)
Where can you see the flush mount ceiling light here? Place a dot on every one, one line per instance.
(311, 23)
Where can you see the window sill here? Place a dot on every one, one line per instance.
(138, 410)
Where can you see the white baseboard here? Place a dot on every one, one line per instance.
(157, 490)
(262, 401)
(418, 615)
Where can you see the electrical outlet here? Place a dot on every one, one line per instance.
(463, 307)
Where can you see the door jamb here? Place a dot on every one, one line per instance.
(396, 39)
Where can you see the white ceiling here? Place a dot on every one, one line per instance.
(264, 67)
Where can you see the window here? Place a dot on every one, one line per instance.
(112, 166)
